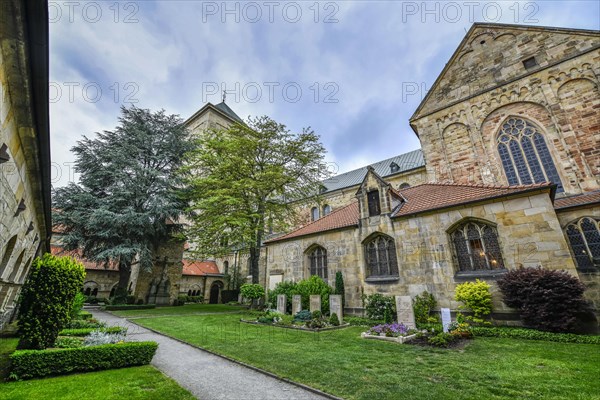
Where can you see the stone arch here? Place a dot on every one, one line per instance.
(89, 288)
(8, 250)
(380, 257)
(16, 266)
(541, 117)
(476, 246)
(215, 292)
(24, 271)
(315, 257)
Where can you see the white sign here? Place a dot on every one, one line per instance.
(446, 319)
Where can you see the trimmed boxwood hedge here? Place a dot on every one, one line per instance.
(87, 331)
(27, 364)
(130, 307)
(532, 334)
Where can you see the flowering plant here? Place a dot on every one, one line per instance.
(391, 330)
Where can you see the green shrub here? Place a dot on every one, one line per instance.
(83, 324)
(315, 323)
(547, 300)
(252, 291)
(46, 300)
(313, 286)
(388, 318)
(334, 320)
(180, 301)
(303, 315)
(129, 307)
(317, 314)
(423, 305)
(360, 321)
(84, 315)
(339, 287)
(68, 342)
(376, 304)
(87, 331)
(287, 288)
(476, 297)
(27, 364)
(432, 327)
(442, 339)
(77, 306)
(532, 334)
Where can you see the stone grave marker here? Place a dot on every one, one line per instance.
(446, 319)
(335, 306)
(296, 304)
(315, 302)
(281, 303)
(405, 312)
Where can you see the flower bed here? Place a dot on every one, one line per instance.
(303, 320)
(395, 332)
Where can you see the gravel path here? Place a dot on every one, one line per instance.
(207, 376)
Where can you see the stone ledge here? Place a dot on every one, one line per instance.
(387, 279)
(397, 339)
(472, 275)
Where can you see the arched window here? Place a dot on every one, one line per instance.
(318, 262)
(476, 247)
(380, 253)
(584, 238)
(112, 291)
(524, 154)
(404, 185)
(15, 269)
(326, 209)
(373, 203)
(314, 213)
(190, 293)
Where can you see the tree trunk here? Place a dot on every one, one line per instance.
(124, 275)
(254, 256)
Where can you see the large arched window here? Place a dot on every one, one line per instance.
(524, 154)
(476, 247)
(380, 253)
(317, 258)
(584, 238)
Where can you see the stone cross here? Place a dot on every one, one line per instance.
(335, 306)
(281, 303)
(405, 312)
(315, 302)
(296, 304)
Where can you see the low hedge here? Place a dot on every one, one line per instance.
(84, 315)
(532, 334)
(361, 321)
(27, 364)
(117, 307)
(87, 331)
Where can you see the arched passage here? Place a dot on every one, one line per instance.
(215, 292)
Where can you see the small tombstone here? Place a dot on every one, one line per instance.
(315, 302)
(405, 312)
(446, 319)
(240, 298)
(335, 306)
(296, 304)
(281, 303)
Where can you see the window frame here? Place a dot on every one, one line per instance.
(592, 262)
(373, 243)
(374, 203)
(319, 269)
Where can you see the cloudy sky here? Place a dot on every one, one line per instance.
(354, 71)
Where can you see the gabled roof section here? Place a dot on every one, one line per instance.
(199, 268)
(406, 162)
(371, 171)
(341, 218)
(579, 200)
(222, 109)
(471, 70)
(436, 196)
(89, 265)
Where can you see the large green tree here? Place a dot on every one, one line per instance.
(128, 200)
(246, 179)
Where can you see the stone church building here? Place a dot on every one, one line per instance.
(508, 175)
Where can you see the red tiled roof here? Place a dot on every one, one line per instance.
(341, 218)
(434, 196)
(417, 199)
(199, 268)
(578, 200)
(100, 266)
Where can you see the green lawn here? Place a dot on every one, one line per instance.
(181, 310)
(341, 363)
(143, 383)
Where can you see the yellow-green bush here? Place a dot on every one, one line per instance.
(476, 297)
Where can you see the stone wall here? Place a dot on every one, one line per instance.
(23, 205)
(529, 235)
(487, 82)
(103, 280)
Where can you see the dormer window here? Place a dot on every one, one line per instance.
(530, 63)
(394, 167)
(373, 200)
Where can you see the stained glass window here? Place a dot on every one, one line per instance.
(584, 238)
(525, 155)
(318, 262)
(380, 254)
(476, 247)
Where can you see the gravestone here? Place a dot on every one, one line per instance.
(240, 299)
(281, 303)
(315, 302)
(335, 306)
(296, 304)
(405, 312)
(446, 319)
